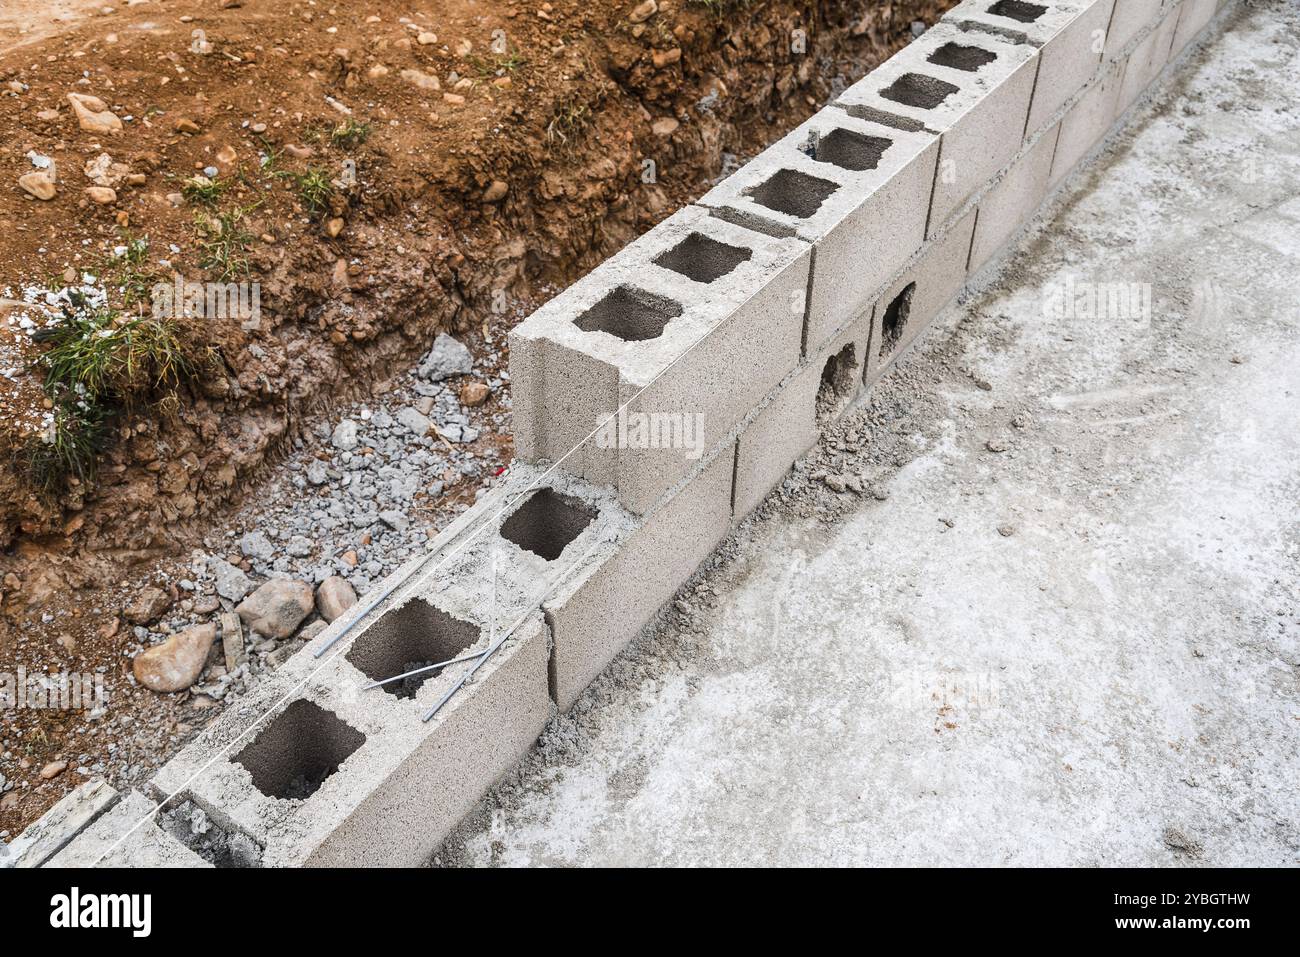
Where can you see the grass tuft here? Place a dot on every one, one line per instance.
(315, 189)
(224, 242)
(68, 448)
(203, 191)
(100, 353)
(349, 134)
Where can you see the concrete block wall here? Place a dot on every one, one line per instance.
(855, 192)
(761, 313)
(971, 90)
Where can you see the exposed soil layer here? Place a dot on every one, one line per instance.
(500, 150)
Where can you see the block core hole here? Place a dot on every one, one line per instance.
(547, 523)
(848, 149)
(414, 636)
(958, 56)
(793, 193)
(632, 315)
(1017, 10)
(703, 258)
(295, 754)
(918, 90)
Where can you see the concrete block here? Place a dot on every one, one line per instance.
(58, 826)
(1147, 61)
(1127, 20)
(786, 425)
(1087, 122)
(858, 191)
(314, 770)
(1010, 203)
(909, 306)
(972, 89)
(342, 775)
(1194, 15)
(784, 429)
(339, 776)
(1070, 36)
(127, 836)
(597, 611)
(649, 361)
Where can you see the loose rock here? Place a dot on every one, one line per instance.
(447, 358)
(277, 608)
(147, 606)
(177, 663)
(232, 583)
(93, 114)
(334, 597)
(38, 184)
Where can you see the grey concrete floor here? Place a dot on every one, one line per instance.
(1084, 649)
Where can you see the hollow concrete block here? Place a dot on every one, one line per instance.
(1147, 60)
(1087, 121)
(914, 299)
(857, 191)
(1194, 15)
(786, 426)
(1070, 36)
(127, 835)
(646, 363)
(972, 89)
(596, 612)
(1009, 203)
(1127, 20)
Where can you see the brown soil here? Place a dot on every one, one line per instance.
(473, 204)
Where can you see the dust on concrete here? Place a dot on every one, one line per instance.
(1058, 624)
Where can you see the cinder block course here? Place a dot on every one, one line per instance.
(972, 89)
(914, 299)
(685, 331)
(1087, 122)
(1009, 203)
(810, 271)
(1194, 15)
(1148, 59)
(594, 613)
(858, 191)
(1069, 34)
(1127, 20)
